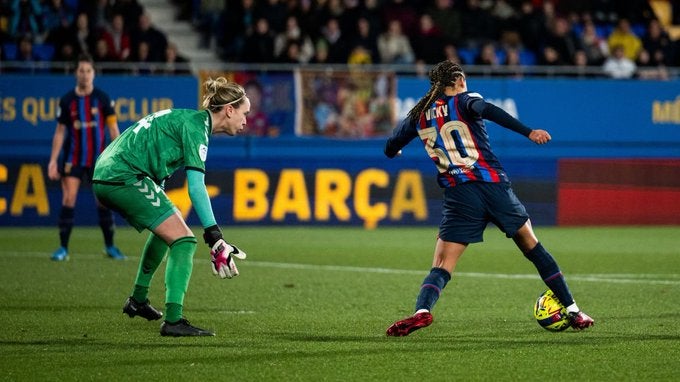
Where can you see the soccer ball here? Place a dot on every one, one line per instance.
(550, 314)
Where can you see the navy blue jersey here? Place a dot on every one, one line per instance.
(85, 118)
(456, 140)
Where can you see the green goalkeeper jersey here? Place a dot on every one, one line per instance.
(157, 146)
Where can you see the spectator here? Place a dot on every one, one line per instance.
(366, 37)
(154, 38)
(623, 36)
(562, 39)
(174, 62)
(275, 13)
(66, 55)
(102, 52)
(505, 15)
(594, 46)
(371, 11)
(85, 39)
(451, 54)
(447, 19)
(144, 65)
(55, 15)
(98, 12)
(130, 9)
(63, 34)
(657, 43)
(550, 57)
(487, 55)
(291, 54)
(320, 52)
(428, 42)
(25, 51)
(618, 65)
(359, 56)
(117, 39)
(394, 46)
(25, 19)
(582, 66)
(512, 62)
(209, 15)
(478, 24)
(402, 11)
(293, 34)
(259, 47)
(532, 26)
(647, 69)
(337, 42)
(239, 25)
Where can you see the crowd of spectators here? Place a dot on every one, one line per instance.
(581, 33)
(621, 38)
(113, 32)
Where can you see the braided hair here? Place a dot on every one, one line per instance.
(442, 75)
(220, 92)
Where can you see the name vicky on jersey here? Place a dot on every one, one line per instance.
(439, 111)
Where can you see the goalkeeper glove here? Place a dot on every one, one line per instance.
(222, 259)
(222, 253)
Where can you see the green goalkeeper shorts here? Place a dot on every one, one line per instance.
(143, 204)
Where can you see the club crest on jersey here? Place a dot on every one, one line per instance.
(203, 152)
(439, 111)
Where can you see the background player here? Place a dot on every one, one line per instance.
(449, 121)
(84, 118)
(129, 178)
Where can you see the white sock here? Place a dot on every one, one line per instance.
(573, 308)
(421, 311)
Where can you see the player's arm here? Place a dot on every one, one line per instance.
(112, 125)
(220, 251)
(401, 136)
(57, 143)
(495, 114)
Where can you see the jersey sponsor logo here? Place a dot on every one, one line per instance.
(203, 152)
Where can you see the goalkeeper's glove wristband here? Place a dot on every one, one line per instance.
(212, 235)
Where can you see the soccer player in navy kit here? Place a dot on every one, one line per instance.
(85, 117)
(450, 121)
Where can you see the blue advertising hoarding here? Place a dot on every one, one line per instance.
(287, 179)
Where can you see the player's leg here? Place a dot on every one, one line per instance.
(69, 187)
(182, 244)
(106, 222)
(138, 303)
(445, 258)
(463, 222)
(108, 227)
(550, 273)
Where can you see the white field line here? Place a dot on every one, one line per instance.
(614, 278)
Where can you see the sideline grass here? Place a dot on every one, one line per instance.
(313, 304)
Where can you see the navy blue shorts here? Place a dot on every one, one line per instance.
(469, 207)
(82, 173)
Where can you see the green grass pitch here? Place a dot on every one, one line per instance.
(313, 303)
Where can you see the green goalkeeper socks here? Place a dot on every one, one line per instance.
(177, 276)
(152, 256)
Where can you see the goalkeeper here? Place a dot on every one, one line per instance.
(129, 177)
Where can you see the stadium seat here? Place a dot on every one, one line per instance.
(9, 51)
(467, 55)
(527, 57)
(44, 52)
